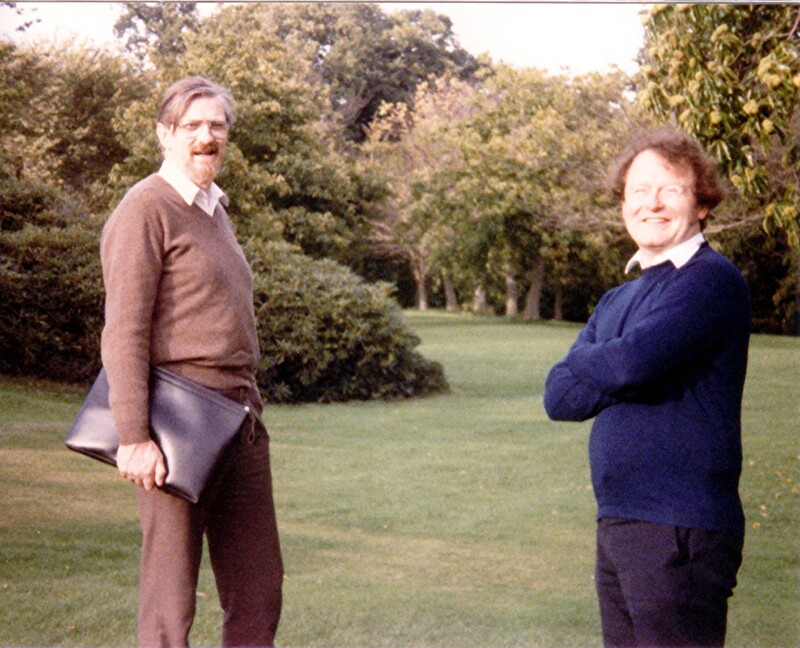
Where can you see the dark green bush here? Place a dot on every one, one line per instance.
(328, 335)
(25, 202)
(52, 295)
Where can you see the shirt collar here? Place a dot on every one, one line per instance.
(679, 254)
(190, 192)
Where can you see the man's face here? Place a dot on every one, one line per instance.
(659, 207)
(192, 144)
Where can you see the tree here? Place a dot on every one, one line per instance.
(490, 182)
(77, 141)
(285, 177)
(153, 31)
(365, 57)
(21, 72)
(730, 76)
(61, 102)
(408, 147)
(55, 131)
(535, 154)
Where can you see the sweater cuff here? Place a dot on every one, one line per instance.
(132, 431)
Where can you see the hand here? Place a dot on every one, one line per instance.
(142, 463)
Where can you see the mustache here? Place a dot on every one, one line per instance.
(210, 148)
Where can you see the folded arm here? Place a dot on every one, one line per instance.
(694, 310)
(691, 315)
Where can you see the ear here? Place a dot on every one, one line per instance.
(163, 132)
(702, 213)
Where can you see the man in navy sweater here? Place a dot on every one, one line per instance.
(661, 366)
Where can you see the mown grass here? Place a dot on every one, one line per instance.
(458, 520)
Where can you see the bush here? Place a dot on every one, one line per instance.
(52, 294)
(25, 202)
(328, 335)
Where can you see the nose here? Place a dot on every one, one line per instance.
(204, 132)
(653, 200)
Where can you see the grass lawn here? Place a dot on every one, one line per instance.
(459, 520)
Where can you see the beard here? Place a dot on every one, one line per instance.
(205, 169)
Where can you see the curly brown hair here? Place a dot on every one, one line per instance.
(678, 150)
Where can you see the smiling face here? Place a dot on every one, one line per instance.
(196, 150)
(659, 207)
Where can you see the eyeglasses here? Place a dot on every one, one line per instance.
(192, 129)
(668, 192)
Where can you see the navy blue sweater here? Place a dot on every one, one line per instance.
(661, 365)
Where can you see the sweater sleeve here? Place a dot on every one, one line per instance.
(131, 255)
(568, 397)
(693, 311)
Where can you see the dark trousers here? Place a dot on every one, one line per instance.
(237, 516)
(664, 586)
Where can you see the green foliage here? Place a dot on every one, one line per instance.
(49, 268)
(76, 137)
(365, 57)
(52, 294)
(490, 181)
(771, 268)
(471, 175)
(23, 73)
(729, 74)
(405, 150)
(26, 201)
(153, 31)
(61, 104)
(327, 335)
(283, 173)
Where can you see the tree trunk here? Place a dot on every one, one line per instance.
(479, 305)
(450, 298)
(512, 293)
(533, 299)
(558, 307)
(421, 279)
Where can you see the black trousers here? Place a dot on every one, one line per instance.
(664, 586)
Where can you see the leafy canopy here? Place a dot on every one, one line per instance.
(729, 74)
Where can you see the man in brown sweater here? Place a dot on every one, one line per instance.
(179, 295)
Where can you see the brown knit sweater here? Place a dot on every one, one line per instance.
(179, 294)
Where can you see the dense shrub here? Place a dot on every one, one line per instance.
(25, 202)
(52, 295)
(328, 335)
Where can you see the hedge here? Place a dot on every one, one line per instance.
(325, 333)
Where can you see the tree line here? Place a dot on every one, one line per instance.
(371, 149)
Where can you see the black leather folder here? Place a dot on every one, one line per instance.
(194, 427)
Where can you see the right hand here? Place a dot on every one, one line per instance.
(142, 463)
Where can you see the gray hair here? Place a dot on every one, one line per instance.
(182, 93)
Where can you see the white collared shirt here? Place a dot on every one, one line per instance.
(190, 192)
(679, 254)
